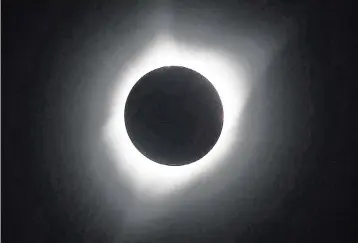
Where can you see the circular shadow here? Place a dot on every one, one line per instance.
(173, 115)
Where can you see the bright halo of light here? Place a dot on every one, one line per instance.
(153, 178)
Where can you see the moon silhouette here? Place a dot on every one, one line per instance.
(173, 115)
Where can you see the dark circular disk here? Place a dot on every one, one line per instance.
(173, 115)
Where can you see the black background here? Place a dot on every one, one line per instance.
(37, 207)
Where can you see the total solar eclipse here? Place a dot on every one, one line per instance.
(173, 115)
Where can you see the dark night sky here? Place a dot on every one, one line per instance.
(298, 126)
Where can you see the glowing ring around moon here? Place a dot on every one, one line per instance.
(227, 80)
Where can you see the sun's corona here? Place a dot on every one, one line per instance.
(213, 65)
